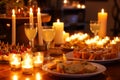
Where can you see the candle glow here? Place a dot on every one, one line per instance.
(13, 27)
(39, 21)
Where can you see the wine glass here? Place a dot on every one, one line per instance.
(48, 35)
(30, 32)
(95, 27)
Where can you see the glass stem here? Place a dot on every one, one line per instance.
(48, 45)
(31, 43)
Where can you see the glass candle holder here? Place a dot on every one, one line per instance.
(27, 64)
(38, 59)
(15, 61)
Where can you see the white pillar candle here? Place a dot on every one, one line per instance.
(31, 18)
(102, 18)
(13, 27)
(59, 27)
(40, 39)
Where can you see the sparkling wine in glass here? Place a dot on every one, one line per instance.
(30, 32)
(48, 36)
(94, 27)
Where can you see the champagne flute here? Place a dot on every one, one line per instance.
(95, 27)
(48, 36)
(30, 32)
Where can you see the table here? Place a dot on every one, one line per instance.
(112, 73)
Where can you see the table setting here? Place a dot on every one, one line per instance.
(65, 56)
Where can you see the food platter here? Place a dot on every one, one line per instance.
(70, 56)
(100, 69)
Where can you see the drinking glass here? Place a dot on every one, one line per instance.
(94, 27)
(30, 32)
(48, 35)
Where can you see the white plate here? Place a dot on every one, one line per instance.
(69, 55)
(100, 69)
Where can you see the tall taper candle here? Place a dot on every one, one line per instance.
(40, 39)
(102, 18)
(13, 27)
(31, 18)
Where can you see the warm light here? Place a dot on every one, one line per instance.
(78, 6)
(38, 76)
(15, 61)
(38, 59)
(13, 12)
(31, 10)
(113, 42)
(68, 39)
(27, 64)
(15, 77)
(65, 35)
(27, 78)
(83, 6)
(38, 10)
(116, 39)
(102, 10)
(65, 1)
(64, 57)
(58, 20)
(100, 43)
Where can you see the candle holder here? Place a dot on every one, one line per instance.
(38, 59)
(15, 61)
(27, 64)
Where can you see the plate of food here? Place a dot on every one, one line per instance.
(98, 57)
(73, 69)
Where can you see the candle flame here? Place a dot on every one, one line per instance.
(65, 1)
(13, 11)
(38, 10)
(102, 10)
(38, 76)
(15, 77)
(58, 20)
(19, 10)
(31, 10)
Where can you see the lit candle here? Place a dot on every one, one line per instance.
(40, 39)
(13, 27)
(65, 3)
(15, 61)
(65, 35)
(38, 59)
(59, 27)
(102, 18)
(38, 76)
(31, 18)
(15, 77)
(27, 64)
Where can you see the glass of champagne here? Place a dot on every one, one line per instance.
(48, 35)
(94, 27)
(30, 32)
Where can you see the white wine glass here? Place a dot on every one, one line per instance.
(48, 36)
(94, 27)
(30, 32)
